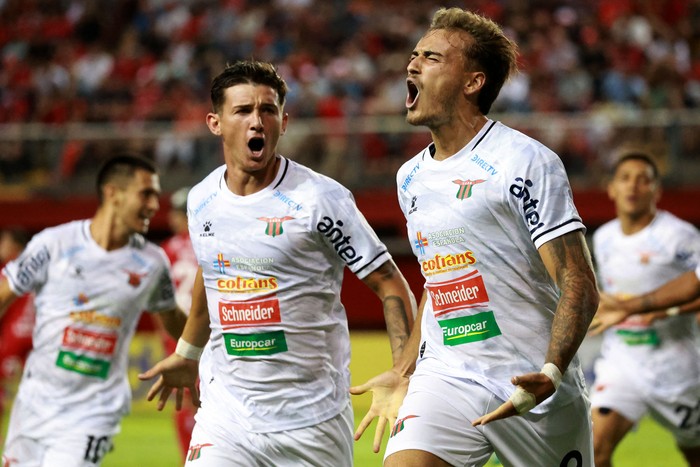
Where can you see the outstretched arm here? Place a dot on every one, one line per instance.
(398, 302)
(569, 263)
(680, 295)
(180, 369)
(682, 289)
(389, 388)
(173, 321)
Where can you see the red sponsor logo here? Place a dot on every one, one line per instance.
(87, 340)
(465, 292)
(261, 311)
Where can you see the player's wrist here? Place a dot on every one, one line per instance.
(187, 350)
(553, 373)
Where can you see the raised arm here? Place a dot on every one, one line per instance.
(569, 263)
(398, 302)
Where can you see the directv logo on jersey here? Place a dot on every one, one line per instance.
(409, 177)
(341, 243)
(520, 191)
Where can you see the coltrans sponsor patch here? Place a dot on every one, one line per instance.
(263, 343)
(465, 329)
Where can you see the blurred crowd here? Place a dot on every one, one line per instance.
(140, 61)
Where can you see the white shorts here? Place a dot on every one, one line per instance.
(436, 416)
(679, 414)
(61, 449)
(329, 443)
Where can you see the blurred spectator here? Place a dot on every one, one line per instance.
(143, 61)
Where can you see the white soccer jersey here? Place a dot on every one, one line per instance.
(88, 302)
(634, 264)
(475, 221)
(273, 266)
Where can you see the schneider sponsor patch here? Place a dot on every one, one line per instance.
(82, 364)
(263, 343)
(261, 311)
(87, 340)
(465, 329)
(465, 292)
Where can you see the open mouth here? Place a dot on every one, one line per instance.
(256, 144)
(413, 94)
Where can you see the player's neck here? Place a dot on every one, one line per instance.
(244, 183)
(451, 138)
(631, 224)
(106, 233)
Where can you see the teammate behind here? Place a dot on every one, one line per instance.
(650, 362)
(92, 279)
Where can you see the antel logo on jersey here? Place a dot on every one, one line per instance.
(30, 266)
(92, 341)
(258, 312)
(240, 284)
(519, 189)
(439, 263)
(332, 230)
(466, 292)
(465, 329)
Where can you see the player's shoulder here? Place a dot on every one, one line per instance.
(521, 149)
(672, 225)
(411, 167)
(297, 176)
(204, 192)
(68, 232)
(147, 247)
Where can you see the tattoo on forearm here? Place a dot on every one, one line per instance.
(578, 300)
(397, 327)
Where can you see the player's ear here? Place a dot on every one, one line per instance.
(285, 120)
(214, 123)
(474, 81)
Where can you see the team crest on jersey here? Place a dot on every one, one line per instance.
(221, 264)
(420, 242)
(465, 187)
(400, 425)
(135, 278)
(195, 451)
(274, 225)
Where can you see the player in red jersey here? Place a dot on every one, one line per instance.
(17, 323)
(184, 268)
